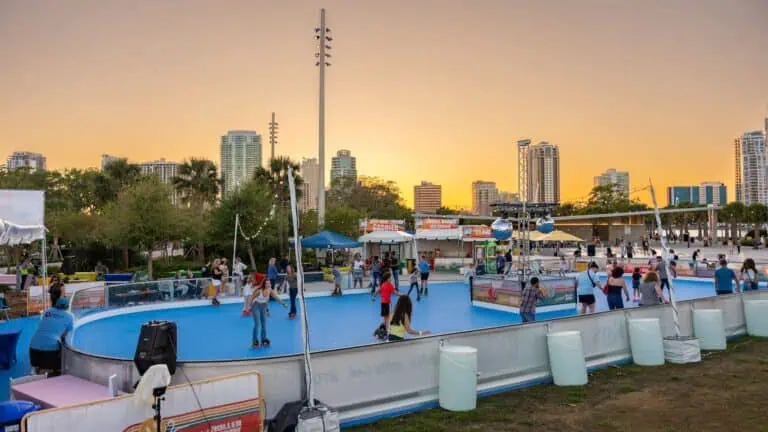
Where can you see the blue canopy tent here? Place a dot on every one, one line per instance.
(329, 240)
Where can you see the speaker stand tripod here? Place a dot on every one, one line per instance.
(159, 398)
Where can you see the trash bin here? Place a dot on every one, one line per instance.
(11, 413)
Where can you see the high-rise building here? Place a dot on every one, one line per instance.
(544, 173)
(484, 194)
(343, 165)
(26, 160)
(613, 177)
(240, 156)
(165, 171)
(750, 157)
(703, 194)
(427, 197)
(677, 195)
(713, 192)
(310, 172)
(108, 159)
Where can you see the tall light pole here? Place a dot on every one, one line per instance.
(273, 127)
(322, 56)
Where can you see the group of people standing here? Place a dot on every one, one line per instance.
(647, 289)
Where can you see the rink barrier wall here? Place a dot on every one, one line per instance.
(367, 383)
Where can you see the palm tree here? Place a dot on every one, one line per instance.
(756, 215)
(121, 173)
(275, 175)
(198, 184)
(734, 212)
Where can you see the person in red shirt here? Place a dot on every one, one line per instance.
(387, 290)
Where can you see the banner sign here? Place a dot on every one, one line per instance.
(476, 232)
(237, 417)
(436, 224)
(371, 225)
(557, 292)
(231, 403)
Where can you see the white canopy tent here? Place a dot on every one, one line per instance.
(22, 218)
(398, 238)
(12, 234)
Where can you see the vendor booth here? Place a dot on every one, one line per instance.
(330, 241)
(478, 243)
(439, 242)
(379, 242)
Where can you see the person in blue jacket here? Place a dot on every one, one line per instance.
(45, 346)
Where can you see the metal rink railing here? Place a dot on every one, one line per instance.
(106, 297)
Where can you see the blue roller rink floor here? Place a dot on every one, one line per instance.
(207, 333)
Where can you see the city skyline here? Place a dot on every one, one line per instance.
(77, 73)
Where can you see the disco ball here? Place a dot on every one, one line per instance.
(545, 225)
(501, 229)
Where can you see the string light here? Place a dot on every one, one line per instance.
(261, 227)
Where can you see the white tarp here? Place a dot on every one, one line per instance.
(12, 234)
(22, 207)
(386, 237)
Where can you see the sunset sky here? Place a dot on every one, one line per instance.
(436, 90)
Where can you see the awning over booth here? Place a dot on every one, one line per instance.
(560, 236)
(12, 234)
(329, 240)
(438, 234)
(386, 237)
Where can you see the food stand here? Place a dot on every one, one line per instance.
(480, 241)
(439, 242)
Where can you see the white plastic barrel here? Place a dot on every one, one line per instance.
(646, 341)
(566, 358)
(756, 312)
(458, 378)
(709, 329)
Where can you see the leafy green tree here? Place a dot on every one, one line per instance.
(253, 202)
(275, 177)
(119, 174)
(343, 219)
(447, 211)
(372, 196)
(308, 223)
(142, 217)
(198, 185)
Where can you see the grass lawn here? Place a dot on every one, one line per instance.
(727, 391)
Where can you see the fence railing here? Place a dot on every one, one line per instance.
(99, 298)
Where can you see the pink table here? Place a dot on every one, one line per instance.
(60, 391)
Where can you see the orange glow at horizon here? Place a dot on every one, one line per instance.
(435, 90)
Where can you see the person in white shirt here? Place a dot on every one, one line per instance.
(357, 271)
(247, 292)
(238, 271)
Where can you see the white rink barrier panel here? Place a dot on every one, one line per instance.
(226, 404)
(384, 380)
